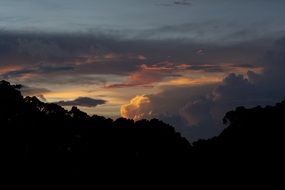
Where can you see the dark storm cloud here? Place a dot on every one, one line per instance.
(198, 111)
(61, 52)
(58, 56)
(55, 47)
(82, 101)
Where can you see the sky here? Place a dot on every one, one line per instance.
(186, 62)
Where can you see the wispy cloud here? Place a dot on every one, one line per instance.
(147, 76)
(177, 2)
(183, 2)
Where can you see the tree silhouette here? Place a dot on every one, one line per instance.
(40, 138)
(45, 138)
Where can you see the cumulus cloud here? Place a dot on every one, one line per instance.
(196, 111)
(82, 101)
(172, 105)
(138, 108)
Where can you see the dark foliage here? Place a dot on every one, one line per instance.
(44, 139)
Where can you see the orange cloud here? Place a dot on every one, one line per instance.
(195, 81)
(169, 73)
(135, 109)
(148, 75)
(64, 95)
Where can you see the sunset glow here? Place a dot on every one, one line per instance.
(178, 61)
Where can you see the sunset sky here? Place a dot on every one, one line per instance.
(185, 62)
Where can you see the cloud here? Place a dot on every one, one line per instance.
(138, 108)
(187, 77)
(183, 2)
(197, 111)
(82, 101)
(178, 2)
(169, 73)
(36, 70)
(33, 91)
(169, 101)
(172, 105)
(214, 31)
(149, 75)
(31, 58)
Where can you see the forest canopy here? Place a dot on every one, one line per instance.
(40, 137)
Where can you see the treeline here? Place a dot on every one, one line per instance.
(40, 138)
